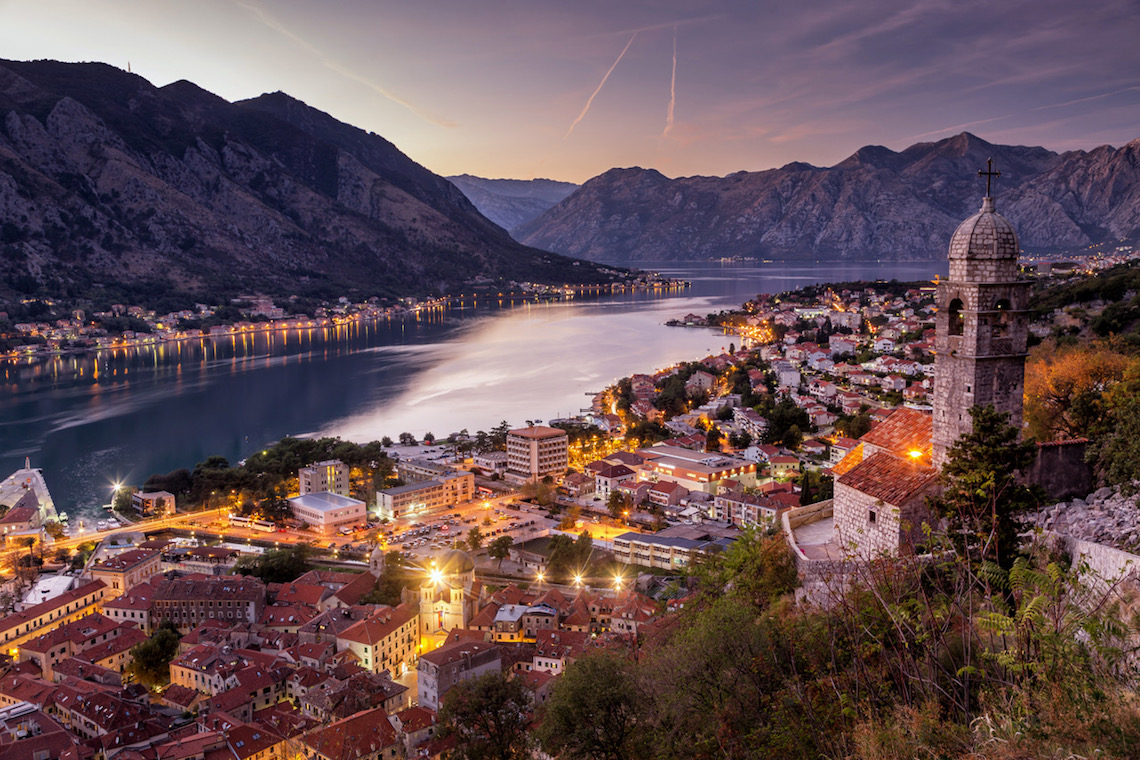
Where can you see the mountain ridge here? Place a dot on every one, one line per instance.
(107, 181)
(876, 203)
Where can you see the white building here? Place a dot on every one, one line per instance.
(328, 512)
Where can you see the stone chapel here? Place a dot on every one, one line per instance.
(980, 345)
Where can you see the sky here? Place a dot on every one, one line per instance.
(567, 90)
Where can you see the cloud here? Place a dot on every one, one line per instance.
(600, 85)
(344, 71)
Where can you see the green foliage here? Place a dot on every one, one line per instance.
(396, 577)
(594, 711)
(786, 422)
(981, 496)
(489, 717)
(150, 659)
(499, 548)
(569, 557)
(278, 566)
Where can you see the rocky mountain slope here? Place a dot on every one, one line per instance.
(876, 204)
(109, 182)
(512, 202)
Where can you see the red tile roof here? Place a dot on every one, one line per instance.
(890, 478)
(365, 733)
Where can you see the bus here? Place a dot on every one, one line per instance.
(263, 526)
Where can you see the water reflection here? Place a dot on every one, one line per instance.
(125, 413)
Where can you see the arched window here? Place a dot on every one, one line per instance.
(957, 322)
(1003, 319)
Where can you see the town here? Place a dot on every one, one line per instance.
(329, 611)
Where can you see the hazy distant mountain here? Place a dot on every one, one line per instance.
(876, 204)
(107, 181)
(511, 202)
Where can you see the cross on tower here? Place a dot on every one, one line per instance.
(989, 174)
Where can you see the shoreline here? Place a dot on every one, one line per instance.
(366, 315)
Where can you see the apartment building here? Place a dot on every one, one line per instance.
(331, 476)
(537, 451)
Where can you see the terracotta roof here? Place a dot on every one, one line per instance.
(378, 627)
(126, 560)
(538, 432)
(890, 478)
(17, 619)
(363, 734)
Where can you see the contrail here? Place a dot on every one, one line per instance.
(600, 85)
(672, 87)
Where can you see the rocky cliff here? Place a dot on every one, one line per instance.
(512, 202)
(109, 182)
(877, 204)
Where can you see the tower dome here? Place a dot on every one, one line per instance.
(984, 247)
(455, 562)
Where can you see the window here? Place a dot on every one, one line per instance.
(1002, 322)
(957, 322)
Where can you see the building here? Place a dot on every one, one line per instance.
(326, 512)
(537, 451)
(19, 627)
(387, 640)
(189, 602)
(124, 571)
(443, 668)
(442, 492)
(665, 552)
(330, 476)
(153, 503)
(695, 470)
(981, 328)
(449, 596)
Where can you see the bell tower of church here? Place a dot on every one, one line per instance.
(982, 326)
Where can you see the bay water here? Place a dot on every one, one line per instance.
(121, 415)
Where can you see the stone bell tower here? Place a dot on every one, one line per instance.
(982, 326)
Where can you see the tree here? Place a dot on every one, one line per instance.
(475, 539)
(150, 659)
(593, 712)
(1115, 448)
(500, 547)
(1065, 387)
(278, 566)
(981, 496)
(488, 716)
(618, 503)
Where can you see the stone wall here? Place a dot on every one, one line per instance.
(1061, 469)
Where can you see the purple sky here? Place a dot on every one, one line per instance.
(535, 88)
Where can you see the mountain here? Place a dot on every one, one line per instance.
(110, 183)
(875, 204)
(511, 202)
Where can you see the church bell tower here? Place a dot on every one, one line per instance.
(982, 326)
